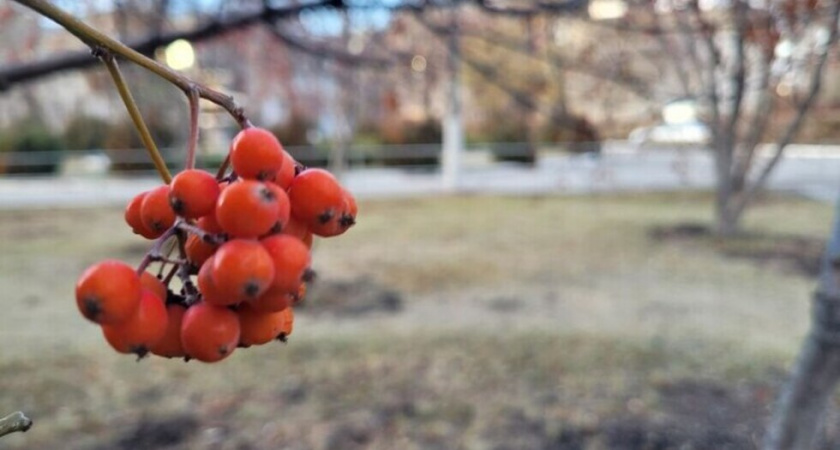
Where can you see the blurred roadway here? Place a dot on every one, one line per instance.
(809, 171)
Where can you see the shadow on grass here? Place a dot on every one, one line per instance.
(784, 252)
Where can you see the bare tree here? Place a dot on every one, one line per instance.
(745, 63)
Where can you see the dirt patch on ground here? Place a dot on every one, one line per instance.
(688, 414)
(786, 253)
(350, 298)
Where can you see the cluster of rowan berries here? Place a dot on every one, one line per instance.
(244, 243)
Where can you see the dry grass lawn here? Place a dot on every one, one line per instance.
(544, 322)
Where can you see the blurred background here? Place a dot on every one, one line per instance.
(583, 224)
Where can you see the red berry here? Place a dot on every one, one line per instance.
(247, 209)
(287, 173)
(108, 292)
(198, 250)
(284, 207)
(194, 193)
(169, 345)
(257, 328)
(155, 211)
(142, 330)
(134, 219)
(316, 198)
(291, 259)
(209, 333)
(207, 286)
(256, 154)
(153, 284)
(275, 299)
(242, 270)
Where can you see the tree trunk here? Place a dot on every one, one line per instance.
(797, 420)
(727, 216)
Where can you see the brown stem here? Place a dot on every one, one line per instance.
(96, 38)
(135, 114)
(155, 254)
(192, 140)
(223, 168)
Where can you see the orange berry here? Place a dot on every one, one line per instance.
(169, 345)
(142, 330)
(242, 270)
(194, 193)
(108, 292)
(316, 198)
(257, 328)
(153, 284)
(247, 209)
(209, 333)
(156, 213)
(207, 286)
(275, 299)
(288, 323)
(284, 208)
(290, 258)
(134, 219)
(345, 218)
(256, 154)
(198, 250)
(287, 172)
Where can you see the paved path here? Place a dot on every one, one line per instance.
(814, 174)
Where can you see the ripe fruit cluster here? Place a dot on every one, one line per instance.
(243, 242)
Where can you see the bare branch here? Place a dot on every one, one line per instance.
(802, 109)
(14, 422)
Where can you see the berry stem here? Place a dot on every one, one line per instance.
(220, 174)
(134, 112)
(96, 38)
(192, 140)
(155, 254)
(205, 236)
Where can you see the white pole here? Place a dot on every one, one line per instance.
(452, 127)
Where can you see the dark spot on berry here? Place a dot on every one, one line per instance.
(252, 289)
(187, 358)
(325, 217)
(346, 221)
(140, 350)
(276, 229)
(283, 338)
(92, 308)
(267, 195)
(309, 275)
(177, 205)
(265, 175)
(223, 350)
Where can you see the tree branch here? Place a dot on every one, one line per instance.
(12, 75)
(136, 116)
(95, 38)
(14, 422)
(802, 109)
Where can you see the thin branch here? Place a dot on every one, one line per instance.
(14, 422)
(802, 109)
(738, 76)
(95, 38)
(136, 117)
(192, 139)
